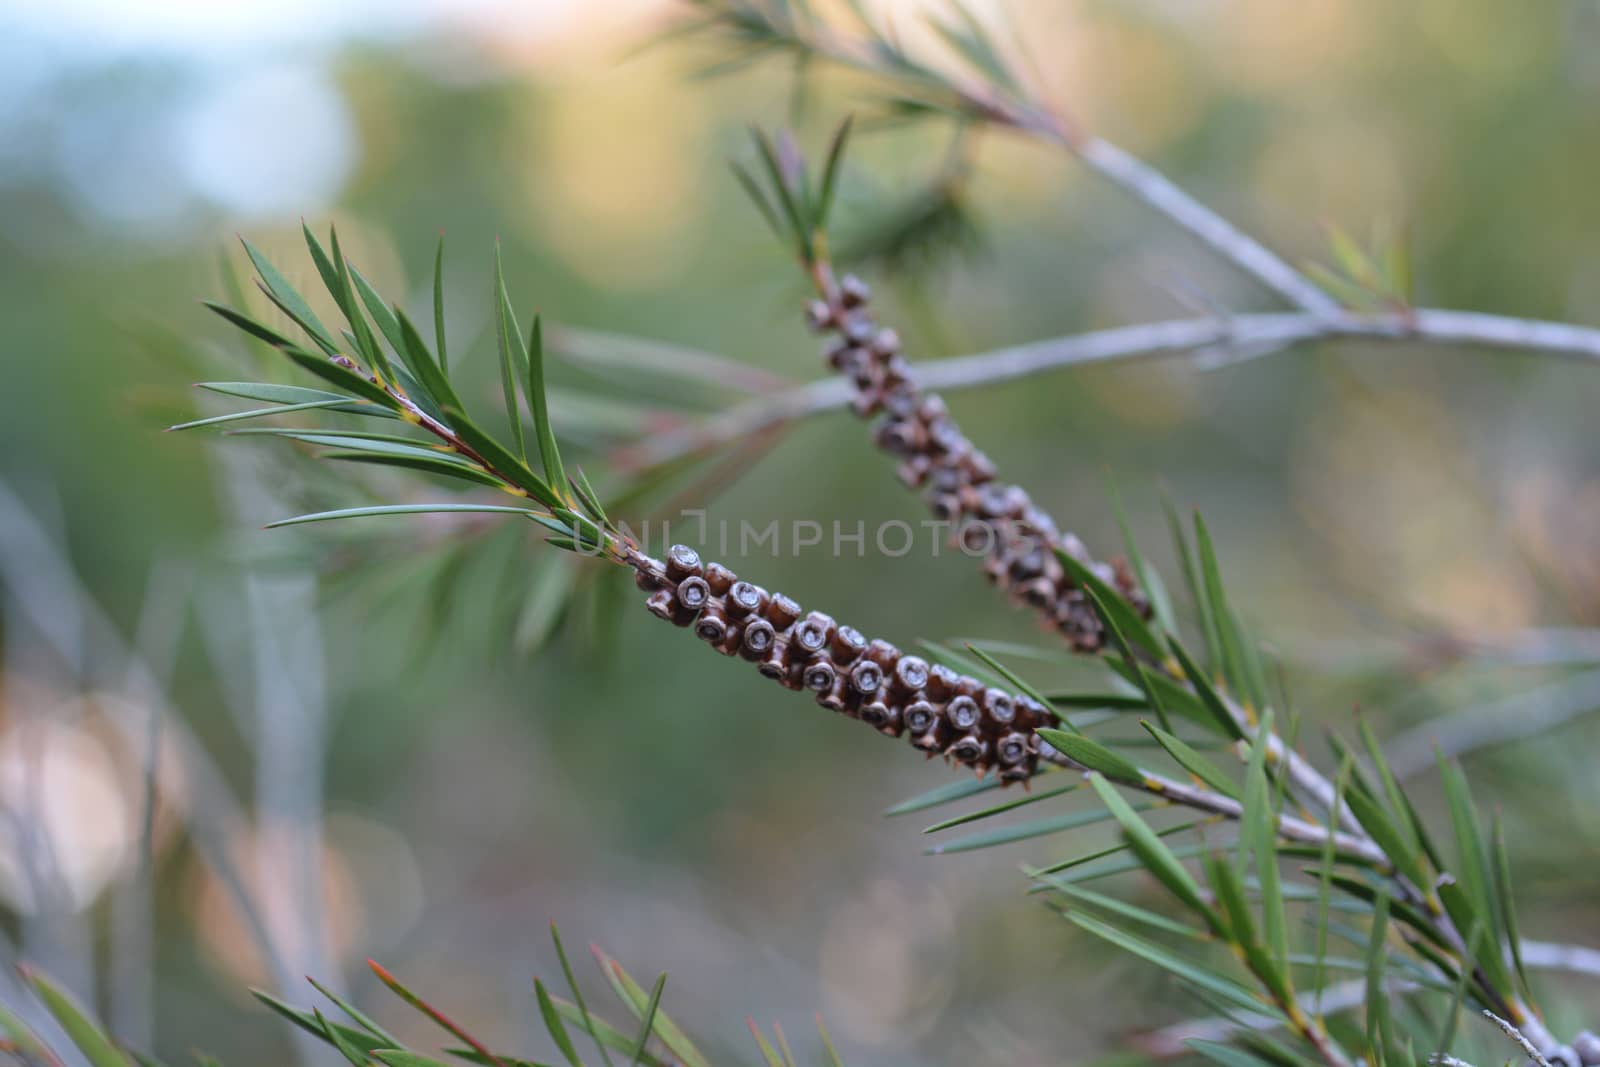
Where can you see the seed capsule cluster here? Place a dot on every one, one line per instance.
(939, 711)
(958, 481)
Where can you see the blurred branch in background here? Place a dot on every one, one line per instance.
(48, 596)
(1228, 337)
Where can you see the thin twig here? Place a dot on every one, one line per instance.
(1510, 718)
(1516, 1035)
(1255, 334)
(1115, 165)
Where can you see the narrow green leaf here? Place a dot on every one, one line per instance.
(272, 394)
(1153, 851)
(308, 1022)
(1022, 831)
(827, 1043)
(538, 404)
(1117, 906)
(422, 364)
(1226, 1055)
(1135, 670)
(944, 794)
(1447, 1035)
(508, 336)
(1226, 989)
(350, 1050)
(241, 416)
(24, 1041)
(1010, 805)
(1508, 905)
(505, 464)
(830, 172)
(1472, 870)
(1270, 971)
(634, 996)
(1093, 755)
(1129, 622)
(1193, 762)
(357, 1016)
(1228, 635)
(1016, 680)
(1180, 548)
(336, 277)
(769, 1055)
(439, 465)
(1133, 863)
(396, 509)
(339, 376)
(438, 305)
(381, 312)
(1209, 698)
(752, 189)
(798, 227)
(1258, 833)
(294, 305)
(396, 1057)
(1376, 822)
(89, 1038)
(1377, 1000)
(589, 1022)
(1325, 873)
(1466, 913)
(553, 1023)
(649, 1019)
(1391, 786)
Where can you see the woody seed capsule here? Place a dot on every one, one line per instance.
(998, 705)
(759, 638)
(1012, 749)
(719, 578)
(919, 715)
(811, 636)
(969, 749)
(711, 629)
(693, 593)
(866, 677)
(782, 611)
(847, 645)
(962, 713)
(745, 599)
(819, 315)
(911, 673)
(819, 676)
(661, 604)
(853, 292)
(682, 561)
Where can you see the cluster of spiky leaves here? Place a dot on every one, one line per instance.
(650, 1037)
(1446, 925)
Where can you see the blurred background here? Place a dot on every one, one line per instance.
(422, 742)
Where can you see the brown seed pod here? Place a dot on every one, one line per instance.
(813, 633)
(746, 599)
(866, 677)
(853, 292)
(847, 645)
(997, 706)
(962, 713)
(942, 682)
(884, 717)
(1011, 749)
(693, 594)
(719, 578)
(662, 604)
(711, 629)
(919, 716)
(934, 739)
(969, 749)
(820, 315)
(682, 562)
(819, 676)
(910, 674)
(759, 639)
(782, 611)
